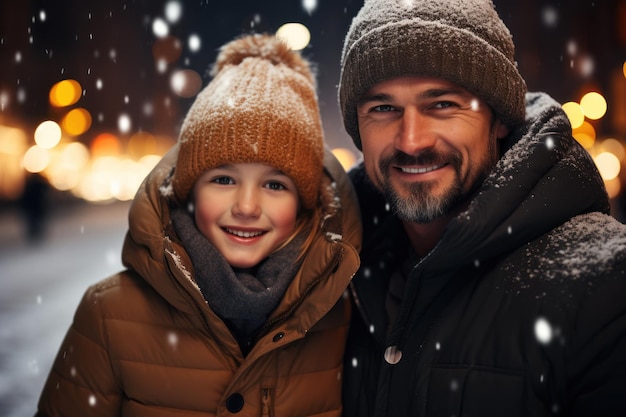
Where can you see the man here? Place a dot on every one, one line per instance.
(492, 279)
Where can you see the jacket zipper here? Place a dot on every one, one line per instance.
(266, 400)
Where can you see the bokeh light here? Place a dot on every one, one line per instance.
(186, 83)
(13, 145)
(36, 159)
(65, 93)
(76, 122)
(67, 165)
(574, 114)
(160, 28)
(296, 35)
(105, 144)
(550, 16)
(309, 5)
(593, 105)
(140, 144)
(585, 134)
(608, 165)
(613, 146)
(345, 157)
(48, 134)
(167, 49)
(173, 11)
(124, 123)
(194, 42)
(613, 187)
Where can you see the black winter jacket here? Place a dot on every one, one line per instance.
(520, 309)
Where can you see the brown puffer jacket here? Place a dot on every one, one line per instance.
(145, 343)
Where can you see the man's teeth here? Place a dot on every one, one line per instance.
(240, 233)
(420, 170)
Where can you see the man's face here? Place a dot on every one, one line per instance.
(427, 143)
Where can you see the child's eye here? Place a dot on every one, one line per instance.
(223, 180)
(275, 185)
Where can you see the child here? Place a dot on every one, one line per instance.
(241, 243)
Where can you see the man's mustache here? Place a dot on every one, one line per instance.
(427, 157)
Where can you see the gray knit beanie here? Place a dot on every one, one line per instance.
(462, 41)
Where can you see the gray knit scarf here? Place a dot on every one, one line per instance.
(243, 299)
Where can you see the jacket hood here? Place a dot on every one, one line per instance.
(152, 250)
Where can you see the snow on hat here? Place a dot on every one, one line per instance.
(462, 41)
(260, 107)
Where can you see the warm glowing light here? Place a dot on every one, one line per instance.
(167, 49)
(296, 35)
(624, 69)
(48, 134)
(67, 166)
(186, 83)
(345, 157)
(140, 144)
(593, 105)
(36, 159)
(76, 122)
(114, 178)
(13, 145)
(74, 156)
(574, 113)
(148, 162)
(613, 187)
(105, 144)
(65, 93)
(608, 165)
(585, 134)
(12, 141)
(613, 146)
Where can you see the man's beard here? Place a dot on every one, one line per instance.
(417, 203)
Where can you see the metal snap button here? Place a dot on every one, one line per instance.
(393, 355)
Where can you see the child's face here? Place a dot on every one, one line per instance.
(245, 210)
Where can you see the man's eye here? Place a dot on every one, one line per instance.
(383, 108)
(223, 180)
(443, 105)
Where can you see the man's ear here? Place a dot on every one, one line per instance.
(501, 129)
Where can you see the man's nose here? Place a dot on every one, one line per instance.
(416, 133)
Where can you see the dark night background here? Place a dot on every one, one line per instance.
(557, 42)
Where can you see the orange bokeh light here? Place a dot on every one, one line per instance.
(105, 144)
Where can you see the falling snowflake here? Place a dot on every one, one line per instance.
(172, 339)
(550, 17)
(543, 331)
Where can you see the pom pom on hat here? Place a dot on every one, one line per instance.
(462, 41)
(260, 107)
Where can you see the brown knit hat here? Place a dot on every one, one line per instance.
(261, 106)
(462, 41)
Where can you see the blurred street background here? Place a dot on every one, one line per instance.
(41, 284)
(92, 94)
